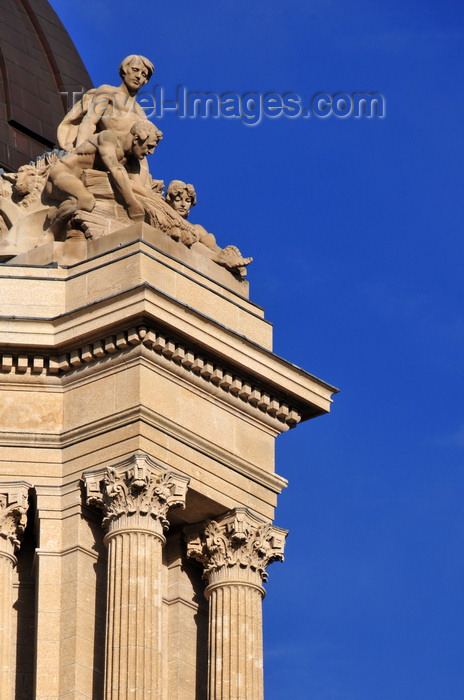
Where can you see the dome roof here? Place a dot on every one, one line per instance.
(37, 61)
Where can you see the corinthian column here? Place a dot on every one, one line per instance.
(13, 509)
(235, 551)
(135, 497)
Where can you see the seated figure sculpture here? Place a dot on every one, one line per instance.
(107, 107)
(117, 155)
(182, 197)
(114, 109)
(100, 181)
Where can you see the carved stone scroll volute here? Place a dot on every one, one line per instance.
(136, 493)
(13, 515)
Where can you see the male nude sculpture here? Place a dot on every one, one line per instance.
(107, 108)
(118, 155)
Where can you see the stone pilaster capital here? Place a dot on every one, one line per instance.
(237, 547)
(136, 494)
(13, 514)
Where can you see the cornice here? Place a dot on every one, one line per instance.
(186, 361)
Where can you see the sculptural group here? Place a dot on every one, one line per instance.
(99, 181)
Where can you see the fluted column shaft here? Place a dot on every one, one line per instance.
(7, 562)
(135, 497)
(235, 551)
(133, 631)
(13, 508)
(235, 646)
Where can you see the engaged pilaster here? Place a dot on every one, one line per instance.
(13, 509)
(135, 497)
(235, 551)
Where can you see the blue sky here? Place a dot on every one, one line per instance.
(356, 229)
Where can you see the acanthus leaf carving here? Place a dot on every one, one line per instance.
(236, 540)
(13, 511)
(137, 486)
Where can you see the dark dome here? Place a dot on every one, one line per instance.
(37, 61)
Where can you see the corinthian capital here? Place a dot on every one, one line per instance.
(136, 490)
(236, 545)
(13, 511)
